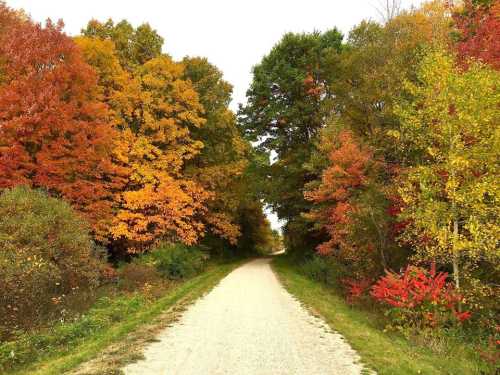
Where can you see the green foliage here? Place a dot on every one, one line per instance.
(286, 104)
(46, 256)
(134, 46)
(322, 269)
(178, 261)
(31, 347)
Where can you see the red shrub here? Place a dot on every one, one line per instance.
(418, 296)
(356, 288)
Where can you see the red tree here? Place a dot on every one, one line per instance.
(54, 133)
(479, 27)
(347, 172)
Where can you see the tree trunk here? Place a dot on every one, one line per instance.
(456, 270)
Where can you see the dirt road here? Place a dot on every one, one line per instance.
(248, 324)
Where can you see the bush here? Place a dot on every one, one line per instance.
(322, 269)
(419, 299)
(177, 261)
(30, 347)
(136, 275)
(46, 254)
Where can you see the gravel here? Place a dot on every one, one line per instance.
(248, 324)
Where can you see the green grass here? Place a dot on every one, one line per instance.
(67, 345)
(386, 353)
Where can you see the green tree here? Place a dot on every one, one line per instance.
(287, 103)
(221, 163)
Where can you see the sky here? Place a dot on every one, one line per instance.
(233, 34)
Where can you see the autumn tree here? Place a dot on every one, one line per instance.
(156, 110)
(220, 165)
(451, 193)
(54, 133)
(373, 66)
(134, 46)
(286, 106)
(478, 24)
(343, 201)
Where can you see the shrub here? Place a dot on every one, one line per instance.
(418, 298)
(46, 254)
(32, 346)
(322, 269)
(178, 261)
(136, 275)
(355, 289)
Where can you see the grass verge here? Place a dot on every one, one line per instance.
(386, 353)
(68, 345)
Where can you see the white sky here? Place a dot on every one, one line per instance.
(232, 34)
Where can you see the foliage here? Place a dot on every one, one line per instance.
(384, 351)
(31, 347)
(419, 298)
(55, 133)
(136, 275)
(47, 256)
(286, 104)
(156, 110)
(134, 46)
(451, 194)
(478, 25)
(322, 269)
(220, 165)
(177, 261)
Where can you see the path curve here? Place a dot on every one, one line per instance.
(248, 325)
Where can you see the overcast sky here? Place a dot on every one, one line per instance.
(232, 34)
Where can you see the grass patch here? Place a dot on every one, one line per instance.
(66, 345)
(386, 353)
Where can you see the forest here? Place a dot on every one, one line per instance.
(124, 173)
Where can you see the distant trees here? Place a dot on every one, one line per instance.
(286, 106)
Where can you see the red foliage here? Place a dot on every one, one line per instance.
(347, 172)
(54, 132)
(394, 210)
(479, 26)
(416, 287)
(356, 288)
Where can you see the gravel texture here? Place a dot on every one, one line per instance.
(248, 324)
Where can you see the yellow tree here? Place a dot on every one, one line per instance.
(451, 194)
(156, 111)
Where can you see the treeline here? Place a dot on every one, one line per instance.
(387, 148)
(144, 149)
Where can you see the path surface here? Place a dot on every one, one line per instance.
(248, 325)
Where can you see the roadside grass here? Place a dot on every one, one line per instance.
(67, 345)
(385, 352)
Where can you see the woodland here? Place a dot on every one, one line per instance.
(123, 172)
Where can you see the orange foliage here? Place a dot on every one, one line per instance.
(347, 172)
(156, 110)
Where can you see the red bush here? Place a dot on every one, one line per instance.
(420, 296)
(356, 288)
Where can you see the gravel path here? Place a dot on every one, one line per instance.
(248, 324)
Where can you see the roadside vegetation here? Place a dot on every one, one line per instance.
(126, 182)
(385, 166)
(364, 325)
(125, 186)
